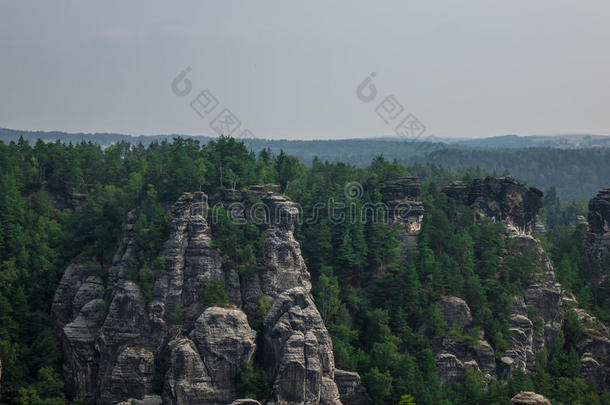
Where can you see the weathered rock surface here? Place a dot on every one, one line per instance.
(350, 388)
(226, 343)
(404, 206)
(522, 342)
(245, 402)
(529, 398)
(187, 380)
(73, 278)
(121, 347)
(502, 199)
(450, 368)
(539, 228)
(452, 357)
(591, 368)
(597, 242)
(191, 261)
(147, 400)
(298, 350)
(537, 316)
(455, 311)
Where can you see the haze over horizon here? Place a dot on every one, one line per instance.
(291, 70)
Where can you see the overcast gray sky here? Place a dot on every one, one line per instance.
(290, 69)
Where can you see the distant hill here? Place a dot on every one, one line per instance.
(576, 173)
(101, 138)
(577, 165)
(559, 141)
(358, 152)
(573, 141)
(336, 149)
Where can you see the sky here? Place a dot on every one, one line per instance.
(295, 70)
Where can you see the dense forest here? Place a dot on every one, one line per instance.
(571, 163)
(376, 299)
(576, 173)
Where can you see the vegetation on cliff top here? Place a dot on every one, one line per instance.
(59, 201)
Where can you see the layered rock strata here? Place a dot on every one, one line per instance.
(501, 199)
(121, 347)
(597, 242)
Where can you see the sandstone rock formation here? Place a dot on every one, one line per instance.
(455, 311)
(598, 237)
(404, 207)
(120, 347)
(537, 316)
(543, 298)
(539, 228)
(453, 358)
(501, 199)
(529, 398)
(350, 388)
(450, 368)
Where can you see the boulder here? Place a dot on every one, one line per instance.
(131, 375)
(529, 398)
(187, 380)
(455, 311)
(450, 369)
(350, 388)
(245, 402)
(147, 400)
(591, 368)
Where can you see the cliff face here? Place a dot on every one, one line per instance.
(539, 314)
(119, 346)
(502, 199)
(404, 207)
(598, 237)
(536, 319)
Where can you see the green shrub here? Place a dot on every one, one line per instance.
(215, 293)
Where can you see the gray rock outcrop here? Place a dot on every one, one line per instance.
(450, 368)
(501, 199)
(529, 398)
(350, 388)
(404, 207)
(455, 311)
(597, 242)
(226, 343)
(298, 351)
(537, 316)
(122, 347)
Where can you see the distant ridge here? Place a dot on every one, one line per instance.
(576, 164)
(560, 141)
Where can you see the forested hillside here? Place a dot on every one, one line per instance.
(378, 300)
(571, 164)
(576, 173)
